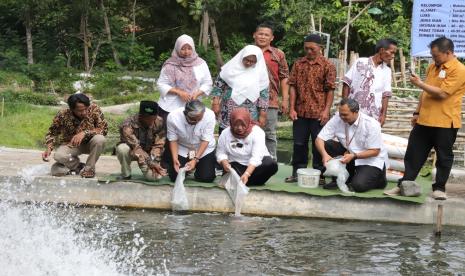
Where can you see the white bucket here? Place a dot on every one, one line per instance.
(308, 178)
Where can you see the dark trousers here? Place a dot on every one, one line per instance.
(361, 178)
(204, 170)
(166, 157)
(261, 174)
(420, 142)
(302, 129)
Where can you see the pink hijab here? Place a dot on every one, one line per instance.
(241, 115)
(180, 70)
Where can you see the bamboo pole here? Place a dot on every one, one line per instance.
(439, 214)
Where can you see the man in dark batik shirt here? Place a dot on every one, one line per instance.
(142, 140)
(312, 84)
(79, 129)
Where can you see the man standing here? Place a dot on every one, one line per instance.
(142, 139)
(437, 118)
(360, 145)
(278, 72)
(312, 84)
(78, 129)
(192, 142)
(369, 81)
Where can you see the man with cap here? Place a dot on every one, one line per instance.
(192, 141)
(312, 84)
(142, 139)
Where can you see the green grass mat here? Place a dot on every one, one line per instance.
(276, 184)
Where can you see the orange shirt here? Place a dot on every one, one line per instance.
(446, 113)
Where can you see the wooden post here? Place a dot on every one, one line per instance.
(206, 23)
(353, 57)
(216, 43)
(346, 40)
(402, 67)
(393, 69)
(438, 231)
(312, 23)
(3, 105)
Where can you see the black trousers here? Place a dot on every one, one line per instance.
(420, 142)
(166, 157)
(204, 170)
(261, 174)
(361, 178)
(302, 130)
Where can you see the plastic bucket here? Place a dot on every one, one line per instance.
(308, 178)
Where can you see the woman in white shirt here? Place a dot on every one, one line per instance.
(242, 147)
(184, 77)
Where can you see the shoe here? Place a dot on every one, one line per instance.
(322, 181)
(439, 195)
(123, 177)
(87, 172)
(77, 170)
(331, 185)
(393, 192)
(290, 179)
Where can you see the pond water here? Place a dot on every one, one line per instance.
(64, 240)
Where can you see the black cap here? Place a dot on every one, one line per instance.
(313, 38)
(148, 108)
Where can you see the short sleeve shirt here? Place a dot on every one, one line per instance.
(445, 113)
(312, 79)
(369, 84)
(189, 136)
(363, 134)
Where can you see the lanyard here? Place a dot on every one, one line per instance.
(348, 141)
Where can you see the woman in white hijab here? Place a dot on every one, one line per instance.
(184, 77)
(242, 82)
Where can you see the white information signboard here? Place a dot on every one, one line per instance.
(434, 18)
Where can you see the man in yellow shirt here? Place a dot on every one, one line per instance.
(437, 118)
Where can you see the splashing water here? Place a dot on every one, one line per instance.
(28, 174)
(51, 239)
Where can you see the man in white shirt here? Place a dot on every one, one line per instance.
(369, 81)
(360, 145)
(191, 141)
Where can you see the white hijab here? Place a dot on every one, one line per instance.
(246, 83)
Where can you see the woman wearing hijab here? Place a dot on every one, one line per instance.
(183, 77)
(241, 147)
(242, 82)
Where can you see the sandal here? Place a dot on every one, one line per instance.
(87, 172)
(290, 179)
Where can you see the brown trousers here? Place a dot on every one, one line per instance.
(67, 157)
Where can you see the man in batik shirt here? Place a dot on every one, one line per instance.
(369, 81)
(278, 72)
(79, 129)
(312, 84)
(142, 140)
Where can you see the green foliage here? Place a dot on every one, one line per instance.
(129, 98)
(28, 97)
(114, 85)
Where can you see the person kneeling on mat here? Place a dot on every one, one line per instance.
(360, 145)
(242, 147)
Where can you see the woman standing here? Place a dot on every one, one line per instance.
(184, 77)
(242, 147)
(242, 82)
